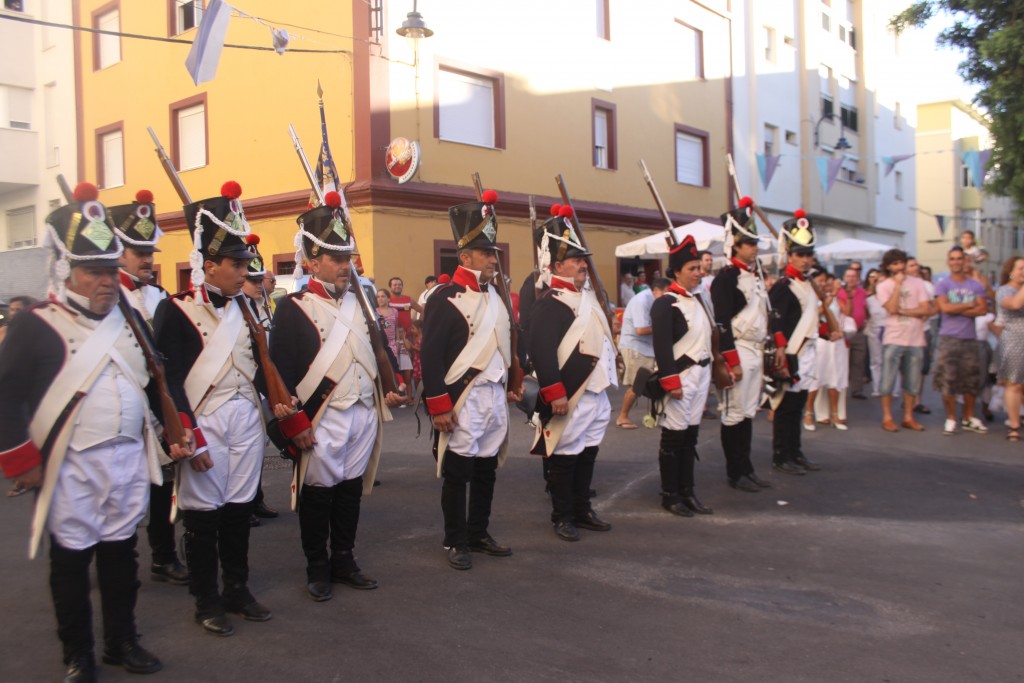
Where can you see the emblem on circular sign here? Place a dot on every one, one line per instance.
(402, 159)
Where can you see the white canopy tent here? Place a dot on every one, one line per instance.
(704, 233)
(851, 249)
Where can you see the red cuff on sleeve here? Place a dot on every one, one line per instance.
(294, 425)
(20, 460)
(671, 383)
(200, 439)
(823, 330)
(732, 358)
(185, 422)
(436, 405)
(780, 340)
(552, 393)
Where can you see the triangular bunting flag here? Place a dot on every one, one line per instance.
(941, 220)
(828, 170)
(205, 53)
(891, 161)
(767, 164)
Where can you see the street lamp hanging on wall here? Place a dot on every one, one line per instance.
(414, 27)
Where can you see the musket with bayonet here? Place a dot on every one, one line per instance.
(377, 339)
(830, 319)
(515, 372)
(533, 232)
(719, 369)
(595, 279)
(174, 430)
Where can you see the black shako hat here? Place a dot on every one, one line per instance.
(739, 223)
(135, 224)
(81, 233)
(681, 254)
(556, 239)
(324, 228)
(474, 224)
(798, 234)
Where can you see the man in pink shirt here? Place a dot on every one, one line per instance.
(854, 293)
(908, 306)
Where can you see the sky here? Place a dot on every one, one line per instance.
(933, 68)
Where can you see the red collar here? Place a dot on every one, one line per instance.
(794, 273)
(740, 264)
(561, 283)
(127, 281)
(466, 278)
(317, 287)
(676, 289)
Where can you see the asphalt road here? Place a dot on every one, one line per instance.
(900, 561)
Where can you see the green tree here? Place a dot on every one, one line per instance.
(991, 33)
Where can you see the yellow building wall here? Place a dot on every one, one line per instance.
(250, 103)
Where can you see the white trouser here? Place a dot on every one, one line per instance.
(808, 368)
(483, 422)
(344, 444)
(742, 400)
(234, 434)
(586, 424)
(687, 412)
(102, 494)
(875, 354)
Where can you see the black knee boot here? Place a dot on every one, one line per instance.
(687, 482)
(233, 543)
(481, 493)
(668, 463)
(201, 529)
(456, 473)
(117, 573)
(583, 514)
(69, 586)
(314, 530)
(344, 524)
(786, 432)
(732, 436)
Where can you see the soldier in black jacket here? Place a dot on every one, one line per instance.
(321, 346)
(796, 331)
(210, 352)
(466, 353)
(682, 330)
(76, 406)
(575, 364)
(741, 311)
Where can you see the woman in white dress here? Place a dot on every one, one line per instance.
(874, 326)
(833, 363)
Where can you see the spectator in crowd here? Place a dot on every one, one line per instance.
(389, 318)
(931, 333)
(974, 251)
(907, 306)
(429, 283)
(403, 304)
(873, 328)
(853, 298)
(641, 283)
(413, 344)
(827, 403)
(986, 331)
(707, 263)
(15, 306)
(637, 345)
(1010, 310)
(960, 299)
(626, 292)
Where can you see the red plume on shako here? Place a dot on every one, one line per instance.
(565, 211)
(332, 199)
(86, 192)
(489, 197)
(231, 190)
(144, 197)
(555, 209)
(252, 239)
(799, 213)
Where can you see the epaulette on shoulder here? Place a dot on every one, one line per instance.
(186, 295)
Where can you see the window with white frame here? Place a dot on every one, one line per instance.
(111, 158)
(107, 47)
(966, 178)
(691, 48)
(21, 228)
(791, 137)
(768, 38)
(191, 136)
(899, 185)
(187, 15)
(15, 108)
(690, 158)
(602, 20)
(603, 123)
(771, 139)
(466, 108)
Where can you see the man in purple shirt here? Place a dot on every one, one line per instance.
(852, 292)
(960, 300)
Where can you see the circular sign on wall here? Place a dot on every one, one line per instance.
(402, 159)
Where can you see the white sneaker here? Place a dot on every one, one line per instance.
(974, 425)
(949, 428)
